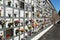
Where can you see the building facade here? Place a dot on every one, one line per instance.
(24, 19)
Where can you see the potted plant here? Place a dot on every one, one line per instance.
(44, 23)
(22, 38)
(27, 15)
(17, 31)
(1, 37)
(7, 36)
(15, 15)
(33, 14)
(22, 30)
(16, 22)
(33, 7)
(26, 22)
(10, 24)
(29, 27)
(32, 20)
(41, 21)
(38, 15)
(35, 24)
(16, 5)
(9, 15)
(9, 3)
(2, 22)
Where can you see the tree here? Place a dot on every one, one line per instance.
(59, 13)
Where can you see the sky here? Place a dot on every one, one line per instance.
(56, 4)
